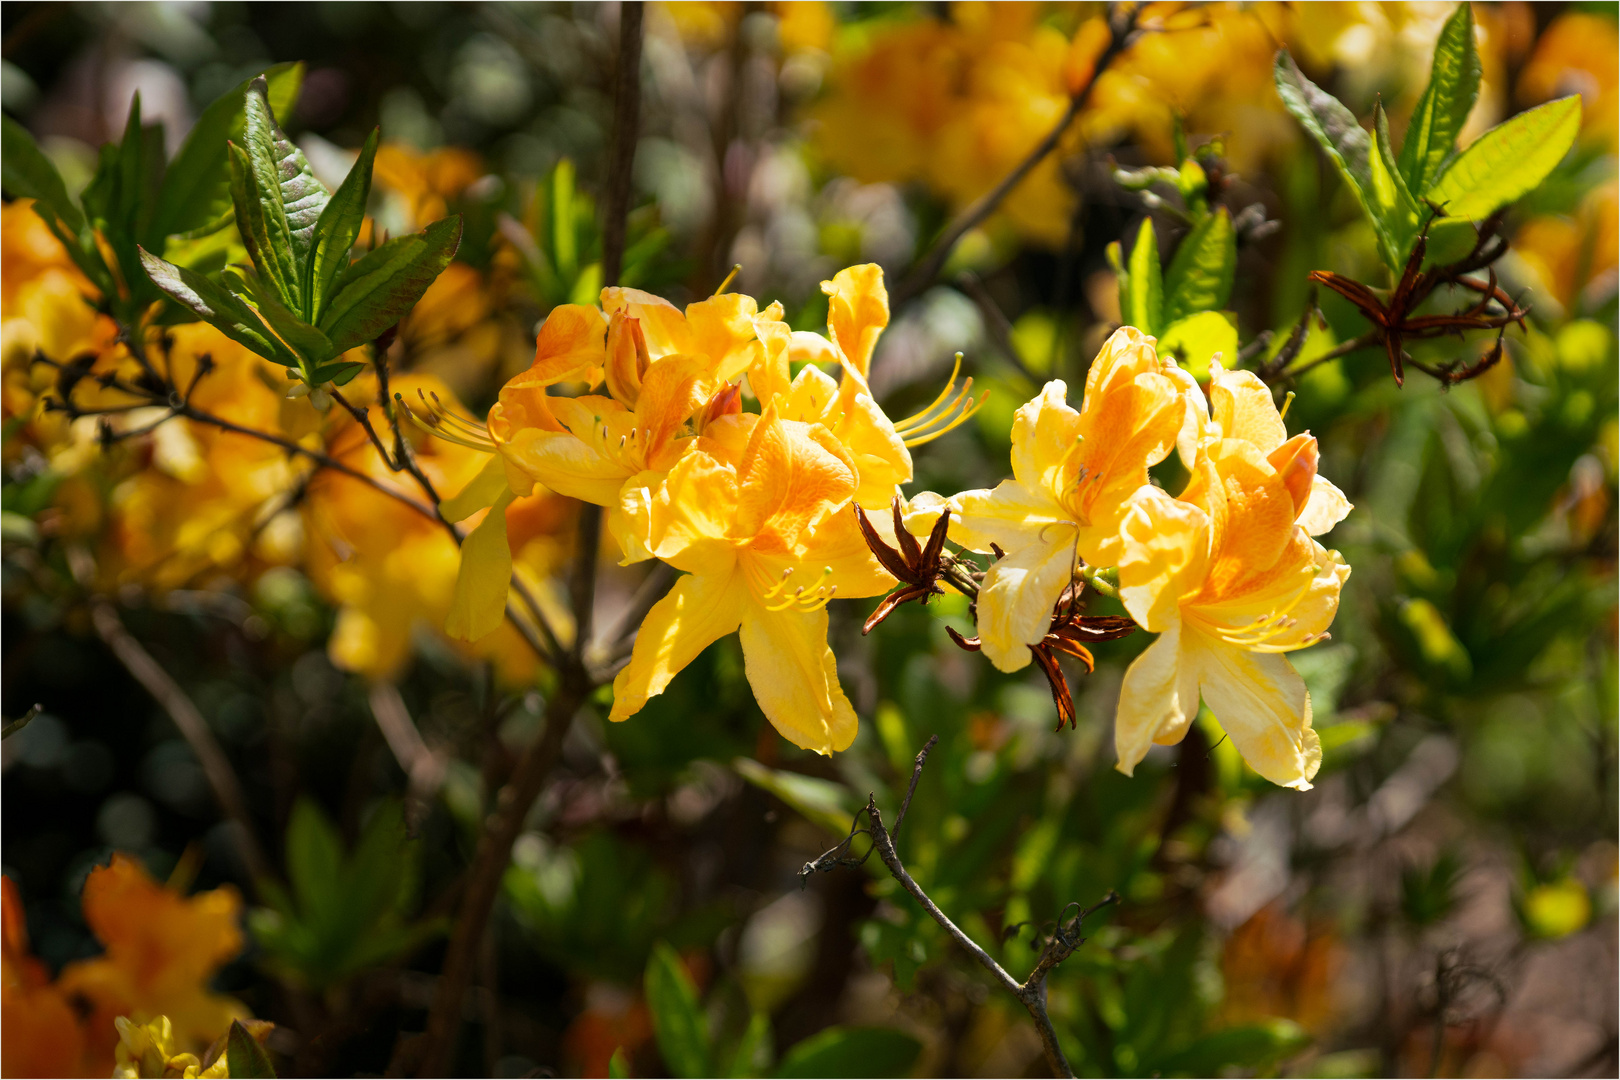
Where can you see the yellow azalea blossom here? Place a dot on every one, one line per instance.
(149, 1050)
(857, 313)
(756, 514)
(1073, 474)
(42, 1033)
(1229, 578)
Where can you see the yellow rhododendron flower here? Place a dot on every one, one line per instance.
(1229, 578)
(1073, 473)
(148, 1050)
(756, 514)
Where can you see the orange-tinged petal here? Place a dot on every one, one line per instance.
(1241, 404)
(627, 358)
(691, 511)
(1295, 462)
(1126, 354)
(791, 475)
(569, 345)
(1164, 558)
(811, 398)
(1261, 702)
(722, 329)
(674, 388)
(567, 465)
(835, 557)
(1259, 514)
(1008, 516)
(857, 312)
(698, 611)
(1287, 607)
(479, 604)
(662, 323)
(771, 374)
(1018, 593)
(794, 676)
(1157, 701)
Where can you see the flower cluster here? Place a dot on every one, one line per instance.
(162, 950)
(752, 506)
(1226, 573)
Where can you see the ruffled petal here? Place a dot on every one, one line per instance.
(1325, 508)
(691, 511)
(1008, 515)
(566, 465)
(662, 324)
(721, 328)
(1157, 700)
(698, 611)
(1163, 558)
(1016, 600)
(1262, 703)
(1242, 405)
(571, 342)
(857, 312)
(795, 677)
(791, 475)
(1045, 431)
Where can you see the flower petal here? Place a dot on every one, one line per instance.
(479, 605)
(1261, 702)
(1008, 515)
(1016, 599)
(1157, 700)
(1325, 508)
(1163, 558)
(1242, 405)
(698, 611)
(662, 323)
(721, 329)
(566, 465)
(571, 342)
(857, 312)
(1045, 430)
(795, 677)
(792, 474)
(481, 491)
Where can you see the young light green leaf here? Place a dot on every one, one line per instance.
(678, 1022)
(1143, 302)
(1333, 126)
(254, 224)
(1197, 339)
(840, 1051)
(1200, 277)
(753, 1051)
(292, 198)
(1394, 205)
(196, 194)
(29, 174)
(380, 288)
(618, 1065)
(245, 1056)
(1508, 160)
(217, 307)
(337, 229)
(1445, 104)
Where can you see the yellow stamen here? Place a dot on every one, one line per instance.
(1287, 401)
(726, 284)
(918, 438)
(917, 419)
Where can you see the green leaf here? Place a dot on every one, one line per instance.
(340, 373)
(1508, 160)
(1143, 303)
(753, 1050)
(291, 196)
(244, 1056)
(217, 307)
(29, 174)
(337, 230)
(379, 289)
(618, 1065)
(1445, 104)
(840, 1051)
(677, 1021)
(1333, 126)
(309, 343)
(1200, 277)
(196, 192)
(1249, 1048)
(253, 223)
(1393, 203)
(314, 861)
(1195, 341)
(828, 804)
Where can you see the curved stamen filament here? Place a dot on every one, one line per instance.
(440, 422)
(963, 406)
(918, 419)
(811, 597)
(1277, 621)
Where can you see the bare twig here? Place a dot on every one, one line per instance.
(1031, 992)
(362, 416)
(1122, 20)
(424, 768)
(1365, 341)
(193, 728)
(21, 722)
(622, 153)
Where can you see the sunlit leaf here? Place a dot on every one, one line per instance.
(379, 289)
(1508, 160)
(1142, 299)
(1200, 274)
(216, 306)
(1445, 104)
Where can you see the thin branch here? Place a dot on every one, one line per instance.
(193, 728)
(1122, 32)
(995, 321)
(424, 768)
(1367, 340)
(652, 589)
(362, 416)
(622, 152)
(1031, 992)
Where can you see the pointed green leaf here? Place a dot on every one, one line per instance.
(1395, 207)
(378, 290)
(309, 343)
(618, 1065)
(1508, 160)
(1445, 104)
(196, 192)
(1143, 305)
(314, 861)
(291, 196)
(29, 174)
(244, 1056)
(678, 1022)
(337, 229)
(1200, 277)
(840, 1051)
(753, 1050)
(253, 223)
(1333, 126)
(217, 307)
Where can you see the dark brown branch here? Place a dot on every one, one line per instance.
(193, 728)
(1122, 32)
(622, 153)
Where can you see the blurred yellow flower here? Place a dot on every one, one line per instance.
(1578, 54)
(40, 1032)
(1556, 909)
